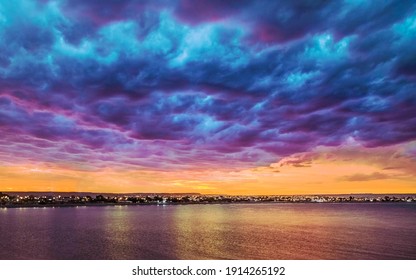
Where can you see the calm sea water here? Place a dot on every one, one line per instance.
(242, 231)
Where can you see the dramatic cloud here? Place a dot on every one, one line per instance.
(397, 159)
(173, 85)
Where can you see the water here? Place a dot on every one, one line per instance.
(239, 231)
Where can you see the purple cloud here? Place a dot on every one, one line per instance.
(160, 84)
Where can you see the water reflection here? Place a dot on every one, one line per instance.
(201, 231)
(250, 231)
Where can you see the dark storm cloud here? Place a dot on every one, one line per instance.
(243, 80)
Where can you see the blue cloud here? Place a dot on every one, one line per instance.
(256, 78)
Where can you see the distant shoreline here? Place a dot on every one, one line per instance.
(43, 201)
(11, 206)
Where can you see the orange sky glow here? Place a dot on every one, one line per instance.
(349, 168)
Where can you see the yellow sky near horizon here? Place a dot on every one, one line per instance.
(325, 170)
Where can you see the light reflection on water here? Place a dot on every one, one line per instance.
(243, 231)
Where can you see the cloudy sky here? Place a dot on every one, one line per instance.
(211, 96)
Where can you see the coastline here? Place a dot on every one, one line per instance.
(75, 205)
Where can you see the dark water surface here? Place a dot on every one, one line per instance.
(239, 231)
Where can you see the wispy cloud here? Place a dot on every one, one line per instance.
(366, 177)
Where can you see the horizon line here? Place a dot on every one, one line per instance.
(195, 193)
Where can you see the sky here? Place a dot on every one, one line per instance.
(208, 96)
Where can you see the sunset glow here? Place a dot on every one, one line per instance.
(212, 97)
